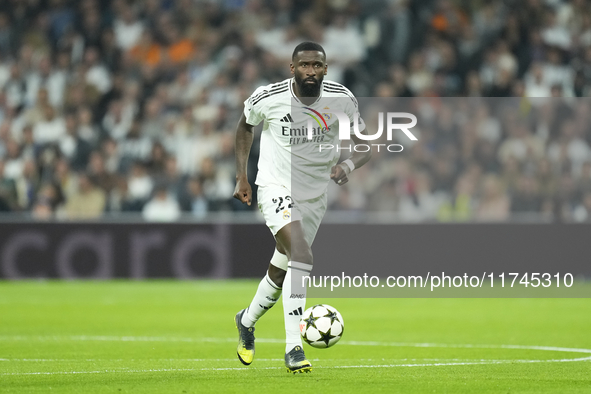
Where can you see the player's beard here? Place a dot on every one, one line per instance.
(308, 89)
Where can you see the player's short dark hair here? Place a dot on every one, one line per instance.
(307, 46)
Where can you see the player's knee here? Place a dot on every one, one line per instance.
(277, 276)
(280, 248)
(303, 255)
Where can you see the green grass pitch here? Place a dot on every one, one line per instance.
(179, 337)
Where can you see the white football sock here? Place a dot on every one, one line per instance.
(266, 296)
(294, 302)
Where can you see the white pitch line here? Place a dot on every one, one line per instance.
(274, 368)
(107, 338)
(273, 340)
(489, 362)
(127, 360)
(227, 359)
(450, 345)
(276, 340)
(93, 372)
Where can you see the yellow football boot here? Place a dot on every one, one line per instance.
(245, 348)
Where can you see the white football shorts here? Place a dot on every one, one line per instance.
(279, 209)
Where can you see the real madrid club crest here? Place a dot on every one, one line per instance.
(325, 115)
(286, 215)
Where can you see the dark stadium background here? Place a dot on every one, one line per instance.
(116, 116)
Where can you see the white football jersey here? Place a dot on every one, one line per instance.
(288, 157)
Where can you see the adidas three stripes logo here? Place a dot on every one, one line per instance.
(287, 118)
(296, 312)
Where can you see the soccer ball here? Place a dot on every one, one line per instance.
(321, 326)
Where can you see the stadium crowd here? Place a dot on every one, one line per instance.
(131, 106)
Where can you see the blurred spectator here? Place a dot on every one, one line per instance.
(6, 34)
(144, 93)
(88, 203)
(53, 81)
(448, 18)
(459, 207)
(127, 28)
(546, 178)
(180, 49)
(570, 148)
(91, 24)
(152, 124)
(13, 165)
(494, 202)
(535, 85)
(74, 148)
(61, 18)
(36, 112)
(401, 30)
(420, 203)
(147, 51)
(567, 192)
(555, 34)
(110, 53)
(162, 207)
(135, 146)
(8, 193)
(42, 210)
(217, 188)
(48, 199)
(399, 82)
(117, 121)
(510, 172)
(51, 128)
(199, 203)
(582, 212)
(584, 179)
(557, 73)
(175, 182)
(87, 129)
(15, 87)
(97, 74)
(4, 73)
(526, 197)
(111, 155)
(66, 179)
(344, 42)
(97, 169)
(521, 145)
(420, 80)
(386, 198)
(156, 164)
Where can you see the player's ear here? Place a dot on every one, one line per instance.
(291, 68)
(325, 69)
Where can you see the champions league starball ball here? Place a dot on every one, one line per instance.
(321, 326)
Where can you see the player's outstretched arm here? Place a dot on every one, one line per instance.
(244, 138)
(340, 172)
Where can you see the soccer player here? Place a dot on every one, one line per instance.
(292, 179)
